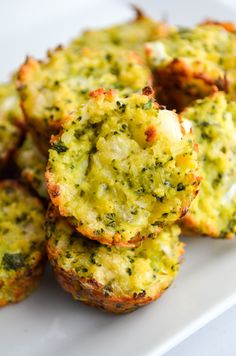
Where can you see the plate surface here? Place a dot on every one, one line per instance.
(49, 322)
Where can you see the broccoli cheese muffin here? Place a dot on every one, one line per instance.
(213, 121)
(32, 165)
(11, 121)
(115, 279)
(22, 242)
(132, 35)
(51, 91)
(193, 63)
(122, 168)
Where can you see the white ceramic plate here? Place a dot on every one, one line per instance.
(49, 322)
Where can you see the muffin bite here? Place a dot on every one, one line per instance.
(122, 168)
(51, 91)
(193, 63)
(115, 279)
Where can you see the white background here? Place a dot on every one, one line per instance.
(216, 339)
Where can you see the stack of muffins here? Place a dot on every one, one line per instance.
(115, 169)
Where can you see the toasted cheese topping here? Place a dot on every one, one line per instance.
(32, 164)
(214, 127)
(119, 272)
(10, 120)
(122, 168)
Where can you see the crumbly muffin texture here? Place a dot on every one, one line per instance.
(122, 168)
(22, 242)
(52, 91)
(113, 278)
(213, 121)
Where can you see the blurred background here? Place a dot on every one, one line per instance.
(30, 26)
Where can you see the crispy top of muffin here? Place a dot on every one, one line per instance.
(52, 90)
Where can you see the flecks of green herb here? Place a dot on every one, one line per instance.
(121, 106)
(180, 187)
(129, 271)
(148, 105)
(59, 147)
(13, 261)
(110, 220)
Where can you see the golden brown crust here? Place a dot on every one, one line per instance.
(91, 292)
(151, 134)
(30, 63)
(106, 239)
(176, 84)
(53, 189)
(228, 26)
(148, 91)
(190, 227)
(87, 289)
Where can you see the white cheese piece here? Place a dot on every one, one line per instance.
(169, 126)
(230, 194)
(9, 103)
(156, 51)
(187, 125)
